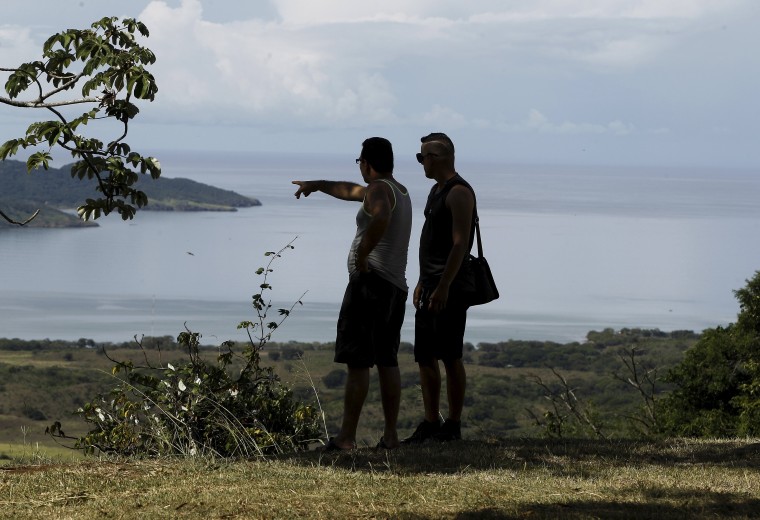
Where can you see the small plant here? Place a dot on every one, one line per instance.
(232, 407)
(644, 379)
(569, 415)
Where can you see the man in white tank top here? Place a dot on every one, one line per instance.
(370, 319)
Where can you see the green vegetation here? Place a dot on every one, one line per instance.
(717, 386)
(499, 395)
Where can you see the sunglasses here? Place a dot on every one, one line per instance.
(421, 157)
(359, 160)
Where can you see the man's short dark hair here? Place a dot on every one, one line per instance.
(441, 137)
(378, 152)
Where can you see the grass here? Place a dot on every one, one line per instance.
(32, 453)
(470, 479)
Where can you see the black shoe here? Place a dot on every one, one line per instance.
(449, 431)
(426, 430)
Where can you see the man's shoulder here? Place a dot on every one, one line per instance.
(379, 187)
(461, 189)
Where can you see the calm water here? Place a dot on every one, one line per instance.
(572, 249)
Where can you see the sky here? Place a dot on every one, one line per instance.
(619, 82)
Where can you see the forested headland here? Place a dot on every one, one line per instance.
(53, 190)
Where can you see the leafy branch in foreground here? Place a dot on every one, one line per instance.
(107, 66)
(233, 407)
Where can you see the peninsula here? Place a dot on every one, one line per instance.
(53, 191)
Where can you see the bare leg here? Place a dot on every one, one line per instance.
(357, 386)
(390, 394)
(456, 383)
(430, 381)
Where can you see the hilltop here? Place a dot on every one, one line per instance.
(53, 191)
(511, 479)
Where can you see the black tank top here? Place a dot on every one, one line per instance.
(435, 239)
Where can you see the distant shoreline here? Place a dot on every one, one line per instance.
(55, 195)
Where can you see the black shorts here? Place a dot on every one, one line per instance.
(439, 335)
(369, 323)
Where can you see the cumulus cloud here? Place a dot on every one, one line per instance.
(261, 68)
(334, 61)
(536, 121)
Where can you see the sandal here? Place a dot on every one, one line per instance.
(332, 446)
(382, 446)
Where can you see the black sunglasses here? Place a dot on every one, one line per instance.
(421, 157)
(359, 160)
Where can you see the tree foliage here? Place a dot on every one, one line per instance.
(717, 390)
(106, 65)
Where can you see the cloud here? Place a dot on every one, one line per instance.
(17, 46)
(344, 64)
(308, 12)
(444, 117)
(538, 122)
(256, 68)
(294, 67)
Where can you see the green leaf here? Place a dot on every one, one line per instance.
(38, 159)
(154, 166)
(9, 148)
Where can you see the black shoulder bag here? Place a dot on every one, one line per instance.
(475, 279)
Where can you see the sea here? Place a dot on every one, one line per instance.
(572, 248)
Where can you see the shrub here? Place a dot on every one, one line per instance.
(201, 407)
(335, 378)
(291, 353)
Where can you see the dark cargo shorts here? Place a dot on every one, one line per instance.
(369, 323)
(439, 335)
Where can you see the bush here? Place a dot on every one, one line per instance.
(199, 407)
(34, 414)
(335, 378)
(291, 353)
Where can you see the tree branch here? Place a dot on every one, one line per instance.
(24, 223)
(40, 104)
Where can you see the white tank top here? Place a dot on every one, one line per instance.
(388, 258)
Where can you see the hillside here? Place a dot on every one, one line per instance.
(44, 381)
(503, 468)
(52, 190)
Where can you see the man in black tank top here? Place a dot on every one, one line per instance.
(441, 314)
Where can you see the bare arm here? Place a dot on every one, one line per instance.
(461, 203)
(339, 189)
(378, 204)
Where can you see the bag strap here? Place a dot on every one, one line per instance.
(477, 234)
(474, 211)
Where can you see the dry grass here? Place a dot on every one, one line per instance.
(34, 453)
(469, 479)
